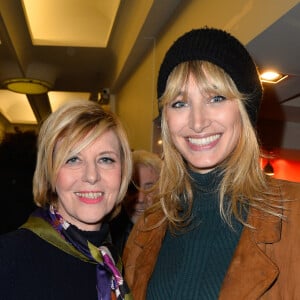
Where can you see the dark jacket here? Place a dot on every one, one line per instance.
(265, 265)
(33, 269)
(120, 228)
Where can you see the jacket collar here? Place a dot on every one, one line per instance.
(150, 228)
(251, 271)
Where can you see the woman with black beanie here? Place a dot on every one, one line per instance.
(221, 229)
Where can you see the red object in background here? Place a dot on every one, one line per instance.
(284, 169)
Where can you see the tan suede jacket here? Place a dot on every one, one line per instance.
(265, 265)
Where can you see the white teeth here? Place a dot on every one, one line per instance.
(204, 141)
(89, 195)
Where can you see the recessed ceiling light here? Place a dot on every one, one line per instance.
(27, 85)
(272, 77)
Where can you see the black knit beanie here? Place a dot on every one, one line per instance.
(221, 49)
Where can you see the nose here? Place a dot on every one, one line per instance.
(199, 118)
(140, 197)
(91, 173)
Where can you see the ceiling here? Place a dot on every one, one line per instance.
(278, 47)
(90, 47)
(80, 47)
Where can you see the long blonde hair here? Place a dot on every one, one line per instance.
(243, 178)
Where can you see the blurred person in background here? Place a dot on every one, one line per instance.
(140, 195)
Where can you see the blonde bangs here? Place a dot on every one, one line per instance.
(72, 141)
(218, 81)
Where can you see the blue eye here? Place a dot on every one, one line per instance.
(107, 160)
(72, 160)
(178, 104)
(217, 99)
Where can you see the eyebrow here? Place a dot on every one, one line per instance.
(109, 152)
(180, 93)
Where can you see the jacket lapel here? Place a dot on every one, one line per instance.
(251, 271)
(146, 241)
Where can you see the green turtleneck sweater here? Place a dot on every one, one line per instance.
(192, 265)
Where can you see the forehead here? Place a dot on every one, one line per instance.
(144, 173)
(105, 140)
(208, 77)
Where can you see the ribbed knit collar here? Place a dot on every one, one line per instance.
(208, 182)
(206, 192)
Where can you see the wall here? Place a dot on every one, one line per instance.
(284, 168)
(136, 101)
(136, 105)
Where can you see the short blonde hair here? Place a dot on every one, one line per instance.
(76, 124)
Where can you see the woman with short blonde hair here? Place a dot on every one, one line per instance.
(78, 123)
(64, 250)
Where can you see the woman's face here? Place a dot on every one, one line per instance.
(204, 128)
(88, 183)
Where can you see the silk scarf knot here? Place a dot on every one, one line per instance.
(108, 267)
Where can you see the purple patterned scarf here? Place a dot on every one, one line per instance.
(110, 283)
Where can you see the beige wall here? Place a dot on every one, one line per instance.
(136, 101)
(134, 105)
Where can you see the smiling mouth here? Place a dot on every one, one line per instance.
(204, 141)
(90, 195)
(139, 211)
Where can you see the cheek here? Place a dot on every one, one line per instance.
(231, 118)
(63, 180)
(173, 123)
(236, 128)
(149, 199)
(114, 179)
